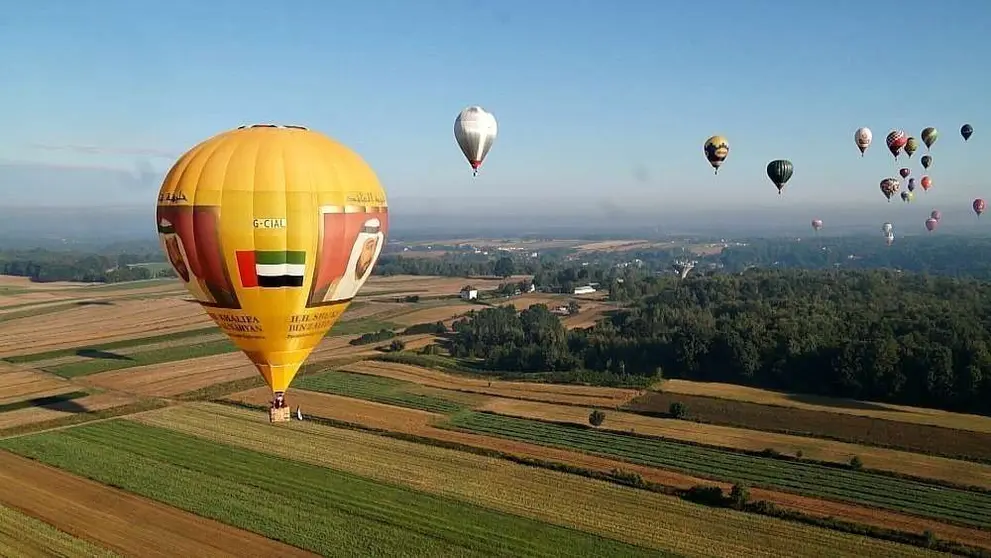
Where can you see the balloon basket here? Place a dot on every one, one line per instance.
(279, 414)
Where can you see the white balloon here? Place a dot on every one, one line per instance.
(475, 131)
(863, 137)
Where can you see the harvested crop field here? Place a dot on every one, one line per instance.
(173, 378)
(612, 245)
(94, 323)
(88, 404)
(419, 423)
(17, 384)
(436, 314)
(571, 394)
(906, 463)
(120, 521)
(813, 480)
(426, 285)
(345, 514)
(26, 537)
(845, 427)
(636, 517)
(886, 411)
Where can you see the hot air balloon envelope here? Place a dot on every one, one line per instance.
(862, 138)
(966, 131)
(273, 230)
(716, 150)
(475, 130)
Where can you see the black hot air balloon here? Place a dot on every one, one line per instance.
(966, 131)
(780, 171)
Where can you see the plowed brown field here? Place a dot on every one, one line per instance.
(123, 522)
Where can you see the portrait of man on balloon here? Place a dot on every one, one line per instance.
(363, 229)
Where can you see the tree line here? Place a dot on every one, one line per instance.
(52, 265)
(875, 335)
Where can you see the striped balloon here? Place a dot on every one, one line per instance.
(896, 140)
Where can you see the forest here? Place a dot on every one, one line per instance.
(874, 335)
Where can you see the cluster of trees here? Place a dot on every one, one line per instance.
(876, 335)
(50, 265)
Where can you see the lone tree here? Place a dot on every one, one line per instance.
(596, 418)
(739, 496)
(856, 463)
(678, 410)
(396, 346)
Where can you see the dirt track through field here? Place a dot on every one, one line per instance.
(420, 423)
(886, 411)
(903, 462)
(577, 395)
(123, 522)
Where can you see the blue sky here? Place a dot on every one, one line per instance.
(598, 103)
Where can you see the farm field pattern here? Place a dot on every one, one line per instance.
(107, 452)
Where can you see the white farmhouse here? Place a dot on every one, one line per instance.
(469, 294)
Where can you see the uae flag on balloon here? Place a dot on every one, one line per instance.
(271, 269)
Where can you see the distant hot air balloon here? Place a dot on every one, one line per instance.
(716, 149)
(927, 161)
(863, 137)
(816, 224)
(475, 131)
(889, 239)
(907, 196)
(273, 230)
(966, 131)
(780, 171)
(911, 146)
(926, 183)
(929, 137)
(931, 224)
(979, 206)
(888, 231)
(936, 215)
(911, 184)
(896, 140)
(889, 187)
(904, 172)
(887, 228)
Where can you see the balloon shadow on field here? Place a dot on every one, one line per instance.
(94, 303)
(841, 403)
(105, 355)
(64, 402)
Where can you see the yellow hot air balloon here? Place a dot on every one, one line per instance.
(274, 230)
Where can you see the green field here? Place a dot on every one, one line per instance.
(375, 388)
(322, 510)
(970, 508)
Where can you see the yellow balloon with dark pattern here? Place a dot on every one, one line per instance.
(716, 149)
(273, 230)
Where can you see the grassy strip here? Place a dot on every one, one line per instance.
(634, 480)
(48, 401)
(79, 418)
(22, 535)
(346, 515)
(9, 316)
(377, 389)
(944, 504)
